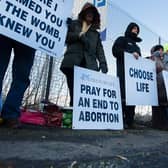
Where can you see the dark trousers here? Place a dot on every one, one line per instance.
(128, 114)
(22, 63)
(160, 117)
(128, 111)
(69, 73)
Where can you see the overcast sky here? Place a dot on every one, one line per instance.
(152, 13)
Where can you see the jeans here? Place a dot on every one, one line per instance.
(128, 114)
(21, 67)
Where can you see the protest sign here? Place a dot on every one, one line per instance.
(97, 101)
(37, 23)
(140, 81)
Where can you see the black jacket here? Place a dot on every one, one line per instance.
(88, 47)
(123, 44)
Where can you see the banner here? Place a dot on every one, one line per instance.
(165, 77)
(38, 24)
(140, 81)
(97, 101)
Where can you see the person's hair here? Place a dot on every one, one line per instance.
(156, 48)
(96, 16)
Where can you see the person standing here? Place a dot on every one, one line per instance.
(21, 66)
(165, 56)
(84, 47)
(160, 113)
(126, 43)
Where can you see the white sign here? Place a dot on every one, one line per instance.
(97, 101)
(140, 81)
(36, 23)
(165, 77)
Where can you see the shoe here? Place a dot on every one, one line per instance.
(12, 123)
(125, 126)
(130, 126)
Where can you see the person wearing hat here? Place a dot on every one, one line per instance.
(126, 43)
(84, 47)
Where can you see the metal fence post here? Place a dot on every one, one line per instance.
(49, 77)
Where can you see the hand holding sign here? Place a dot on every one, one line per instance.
(136, 55)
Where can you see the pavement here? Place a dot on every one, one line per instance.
(42, 147)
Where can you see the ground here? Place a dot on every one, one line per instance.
(40, 147)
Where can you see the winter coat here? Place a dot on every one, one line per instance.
(87, 48)
(165, 61)
(123, 44)
(156, 56)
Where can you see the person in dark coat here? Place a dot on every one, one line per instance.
(128, 44)
(84, 47)
(21, 67)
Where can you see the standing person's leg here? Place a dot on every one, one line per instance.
(129, 115)
(124, 116)
(5, 53)
(70, 83)
(155, 116)
(159, 117)
(22, 63)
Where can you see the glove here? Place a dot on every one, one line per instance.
(136, 55)
(68, 21)
(103, 68)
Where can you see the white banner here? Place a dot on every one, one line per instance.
(165, 77)
(140, 81)
(97, 101)
(38, 24)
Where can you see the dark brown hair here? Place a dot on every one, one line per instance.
(96, 18)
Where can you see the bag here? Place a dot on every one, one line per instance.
(53, 115)
(34, 117)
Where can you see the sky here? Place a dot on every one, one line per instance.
(151, 13)
(151, 16)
